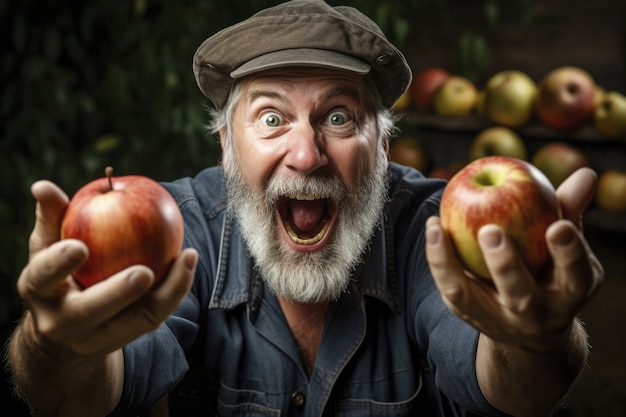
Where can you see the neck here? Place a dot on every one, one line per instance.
(306, 321)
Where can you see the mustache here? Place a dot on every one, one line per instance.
(318, 186)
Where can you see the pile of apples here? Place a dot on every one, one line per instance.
(565, 99)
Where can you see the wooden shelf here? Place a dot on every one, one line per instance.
(473, 123)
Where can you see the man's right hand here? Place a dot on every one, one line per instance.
(70, 328)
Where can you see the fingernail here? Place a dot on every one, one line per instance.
(190, 261)
(490, 236)
(564, 236)
(138, 280)
(433, 235)
(73, 254)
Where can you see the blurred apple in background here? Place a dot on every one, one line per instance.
(403, 103)
(447, 171)
(456, 97)
(497, 140)
(565, 97)
(424, 86)
(505, 191)
(598, 96)
(611, 191)
(409, 151)
(558, 160)
(609, 117)
(509, 98)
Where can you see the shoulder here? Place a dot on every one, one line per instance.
(204, 192)
(410, 191)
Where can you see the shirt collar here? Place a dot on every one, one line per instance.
(236, 282)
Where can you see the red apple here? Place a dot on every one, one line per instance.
(123, 221)
(505, 191)
(497, 140)
(409, 151)
(566, 97)
(509, 98)
(611, 192)
(457, 96)
(558, 160)
(609, 117)
(425, 83)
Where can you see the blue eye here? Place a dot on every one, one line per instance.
(337, 118)
(271, 119)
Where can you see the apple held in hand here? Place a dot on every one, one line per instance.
(124, 221)
(505, 191)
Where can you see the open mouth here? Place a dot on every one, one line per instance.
(307, 219)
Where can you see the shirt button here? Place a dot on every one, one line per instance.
(297, 399)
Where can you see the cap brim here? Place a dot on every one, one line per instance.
(302, 57)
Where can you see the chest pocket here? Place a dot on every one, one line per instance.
(348, 407)
(245, 402)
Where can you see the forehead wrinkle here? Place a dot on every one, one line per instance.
(256, 93)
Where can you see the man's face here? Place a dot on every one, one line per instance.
(306, 178)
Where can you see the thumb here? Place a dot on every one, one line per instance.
(51, 204)
(576, 193)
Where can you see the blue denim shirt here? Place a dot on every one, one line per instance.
(390, 347)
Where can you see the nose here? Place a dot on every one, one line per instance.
(305, 153)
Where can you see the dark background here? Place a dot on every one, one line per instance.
(88, 84)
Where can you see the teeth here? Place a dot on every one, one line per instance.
(310, 241)
(305, 196)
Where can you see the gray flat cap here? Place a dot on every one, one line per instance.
(301, 33)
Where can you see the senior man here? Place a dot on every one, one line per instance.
(315, 279)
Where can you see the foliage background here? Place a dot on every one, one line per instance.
(85, 84)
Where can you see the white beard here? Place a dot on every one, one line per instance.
(307, 276)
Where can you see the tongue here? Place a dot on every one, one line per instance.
(306, 214)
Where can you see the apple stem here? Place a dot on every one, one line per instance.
(108, 171)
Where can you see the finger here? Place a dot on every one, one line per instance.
(577, 272)
(471, 299)
(46, 274)
(147, 314)
(576, 193)
(445, 267)
(51, 204)
(509, 273)
(106, 299)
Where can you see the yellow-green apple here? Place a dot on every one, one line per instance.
(403, 102)
(565, 97)
(504, 191)
(424, 85)
(609, 117)
(598, 96)
(409, 151)
(124, 221)
(611, 191)
(457, 96)
(509, 98)
(558, 160)
(497, 140)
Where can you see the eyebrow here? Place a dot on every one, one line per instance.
(335, 92)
